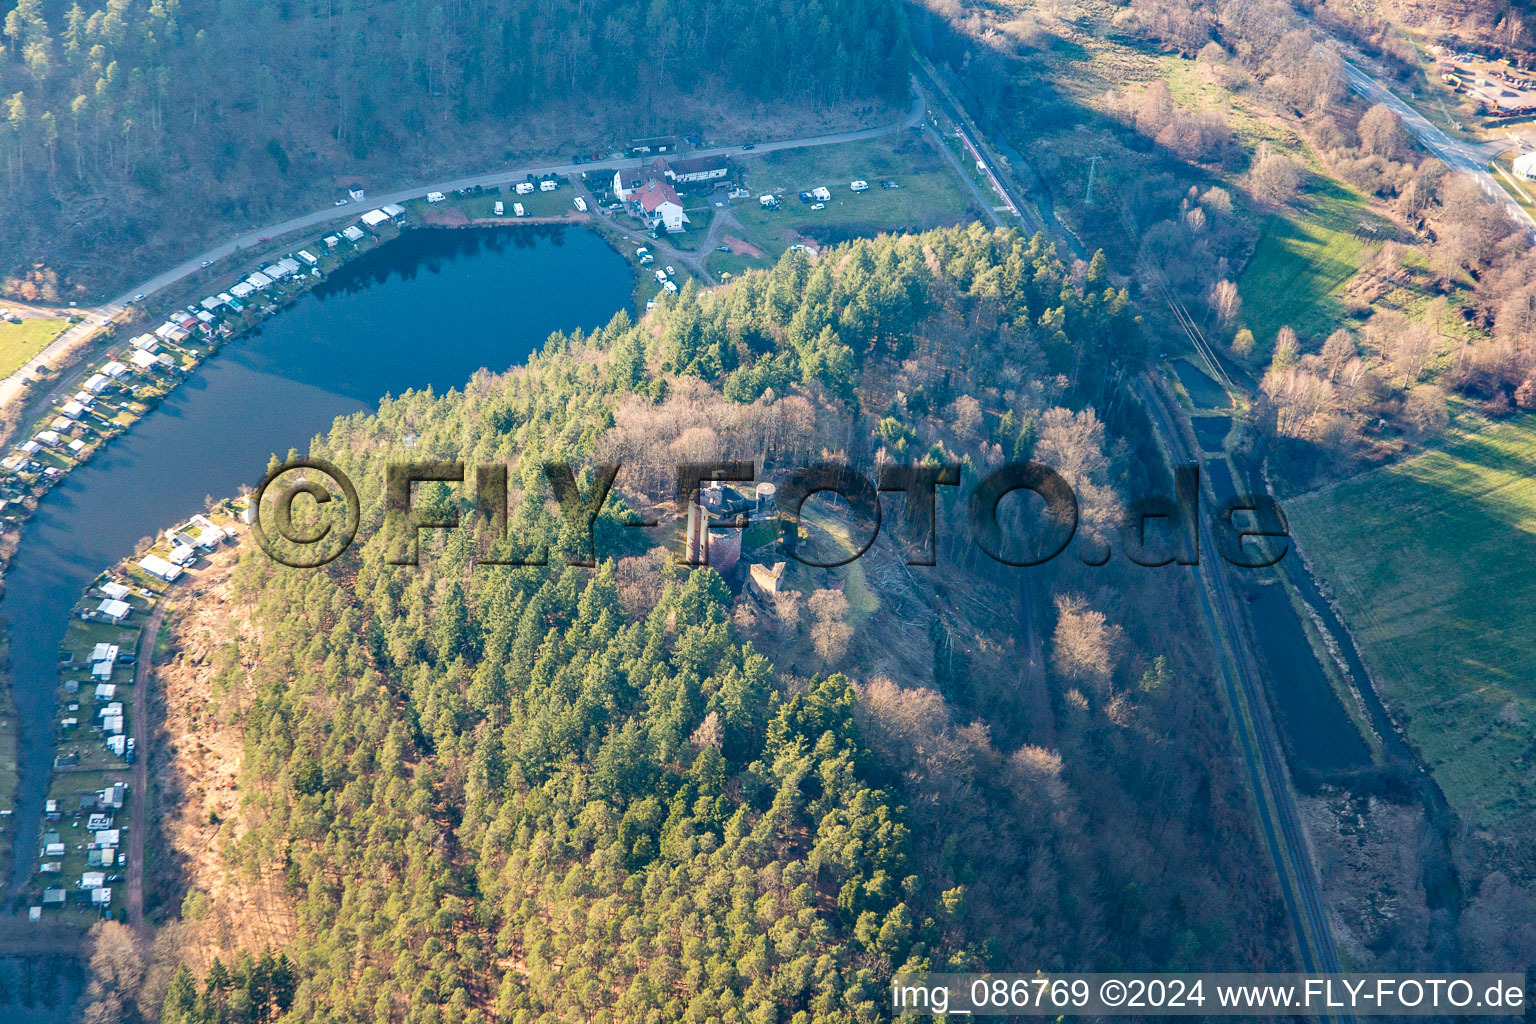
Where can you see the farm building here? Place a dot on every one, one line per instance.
(1525, 166)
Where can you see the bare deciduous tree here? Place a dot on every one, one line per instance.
(830, 631)
(1084, 647)
(1381, 132)
(1225, 301)
(1338, 350)
(1274, 179)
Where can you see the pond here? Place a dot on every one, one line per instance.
(1317, 730)
(1204, 392)
(1211, 431)
(427, 309)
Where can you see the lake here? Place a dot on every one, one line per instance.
(427, 309)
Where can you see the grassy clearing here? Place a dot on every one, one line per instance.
(1429, 560)
(20, 342)
(928, 196)
(720, 263)
(535, 204)
(1305, 258)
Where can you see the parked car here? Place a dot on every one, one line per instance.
(340, 202)
(750, 145)
(818, 206)
(140, 297)
(206, 263)
(805, 197)
(670, 271)
(722, 248)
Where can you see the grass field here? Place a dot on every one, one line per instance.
(1430, 560)
(20, 342)
(1304, 259)
(928, 197)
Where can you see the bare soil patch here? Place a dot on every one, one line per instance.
(198, 816)
(742, 248)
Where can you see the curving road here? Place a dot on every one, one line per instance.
(1467, 157)
(11, 386)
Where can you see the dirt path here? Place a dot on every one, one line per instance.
(139, 825)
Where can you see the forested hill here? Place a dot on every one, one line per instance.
(118, 122)
(494, 794)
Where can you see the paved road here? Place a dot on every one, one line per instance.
(251, 242)
(139, 823)
(1280, 827)
(1468, 157)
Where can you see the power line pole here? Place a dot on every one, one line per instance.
(1093, 163)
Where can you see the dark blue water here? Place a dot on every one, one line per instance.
(1204, 392)
(428, 309)
(1317, 729)
(1210, 431)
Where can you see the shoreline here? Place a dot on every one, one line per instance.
(144, 394)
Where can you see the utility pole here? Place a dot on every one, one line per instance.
(1093, 163)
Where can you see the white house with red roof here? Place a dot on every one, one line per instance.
(658, 205)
